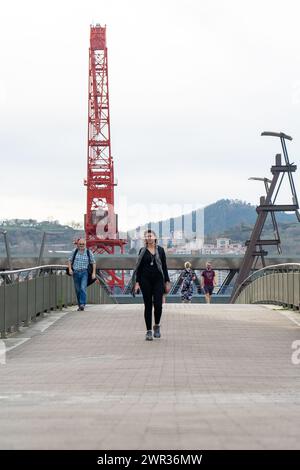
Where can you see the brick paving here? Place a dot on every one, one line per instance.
(221, 377)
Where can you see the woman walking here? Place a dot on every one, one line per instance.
(151, 276)
(188, 277)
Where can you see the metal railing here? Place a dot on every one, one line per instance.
(26, 294)
(278, 284)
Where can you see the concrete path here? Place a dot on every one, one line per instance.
(221, 377)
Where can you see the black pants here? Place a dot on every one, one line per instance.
(152, 289)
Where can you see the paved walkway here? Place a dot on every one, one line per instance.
(221, 377)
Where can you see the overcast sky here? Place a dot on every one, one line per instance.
(193, 83)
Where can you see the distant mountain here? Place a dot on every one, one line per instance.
(218, 218)
(25, 236)
(228, 213)
(233, 219)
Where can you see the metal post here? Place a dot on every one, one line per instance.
(42, 249)
(18, 305)
(3, 332)
(28, 317)
(7, 248)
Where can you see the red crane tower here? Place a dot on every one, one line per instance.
(100, 219)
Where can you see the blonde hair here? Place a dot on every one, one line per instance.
(187, 265)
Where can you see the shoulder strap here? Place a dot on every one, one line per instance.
(89, 254)
(138, 262)
(74, 256)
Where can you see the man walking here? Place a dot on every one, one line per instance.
(208, 282)
(78, 264)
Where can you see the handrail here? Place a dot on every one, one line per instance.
(48, 266)
(16, 271)
(260, 273)
(27, 293)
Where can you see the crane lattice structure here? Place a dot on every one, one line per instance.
(100, 219)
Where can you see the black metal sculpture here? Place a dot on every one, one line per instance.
(255, 250)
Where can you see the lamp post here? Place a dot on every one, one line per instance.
(4, 233)
(45, 235)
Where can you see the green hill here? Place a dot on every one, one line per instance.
(233, 219)
(226, 213)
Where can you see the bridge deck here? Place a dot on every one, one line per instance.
(221, 377)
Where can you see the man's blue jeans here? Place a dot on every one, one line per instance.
(80, 282)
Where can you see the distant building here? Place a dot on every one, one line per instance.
(223, 243)
(183, 233)
(223, 246)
